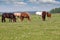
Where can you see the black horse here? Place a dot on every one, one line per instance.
(10, 16)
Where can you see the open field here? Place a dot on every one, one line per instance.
(34, 30)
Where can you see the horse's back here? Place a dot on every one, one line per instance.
(25, 14)
(8, 15)
(38, 13)
(17, 14)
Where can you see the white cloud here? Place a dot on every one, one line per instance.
(21, 3)
(45, 1)
(17, 2)
(50, 1)
(33, 0)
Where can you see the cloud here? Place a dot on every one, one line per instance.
(33, 0)
(45, 1)
(28, 5)
(17, 2)
(50, 1)
(21, 3)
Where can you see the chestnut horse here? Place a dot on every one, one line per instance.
(10, 16)
(44, 14)
(48, 14)
(23, 15)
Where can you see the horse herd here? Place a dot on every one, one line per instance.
(22, 15)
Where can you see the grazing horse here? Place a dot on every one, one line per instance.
(10, 16)
(48, 14)
(23, 15)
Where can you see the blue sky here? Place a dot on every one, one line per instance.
(28, 5)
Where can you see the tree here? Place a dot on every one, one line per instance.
(56, 10)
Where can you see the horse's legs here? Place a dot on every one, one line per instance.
(29, 18)
(10, 20)
(21, 18)
(4, 20)
(14, 19)
(43, 18)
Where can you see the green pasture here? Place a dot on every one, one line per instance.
(34, 30)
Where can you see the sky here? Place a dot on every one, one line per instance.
(28, 5)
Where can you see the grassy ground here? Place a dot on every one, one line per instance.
(34, 30)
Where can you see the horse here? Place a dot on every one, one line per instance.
(10, 16)
(23, 15)
(48, 14)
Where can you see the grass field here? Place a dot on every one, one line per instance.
(34, 30)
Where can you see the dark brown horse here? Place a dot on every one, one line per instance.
(44, 14)
(10, 16)
(23, 15)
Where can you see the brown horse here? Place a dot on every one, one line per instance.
(10, 16)
(23, 15)
(44, 14)
(48, 14)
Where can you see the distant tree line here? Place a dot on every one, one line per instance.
(55, 10)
